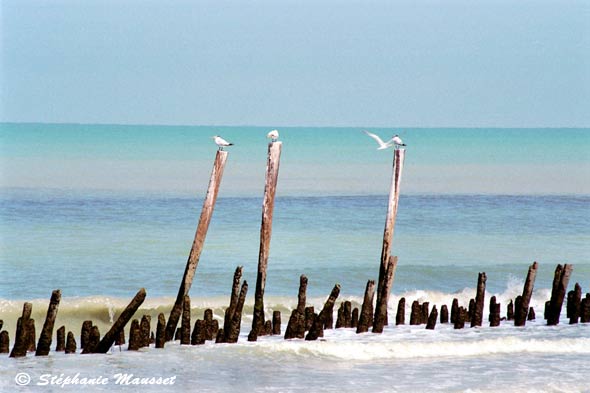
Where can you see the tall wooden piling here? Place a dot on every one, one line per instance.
(388, 231)
(21, 340)
(560, 281)
(114, 332)
(44, 344)
(198, 242)
(477, 317)
(270, 186)
(380, 319)
(521, 311)
(366, 316)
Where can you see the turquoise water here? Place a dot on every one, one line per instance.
(100, 211)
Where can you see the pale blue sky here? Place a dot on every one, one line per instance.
(337, 63)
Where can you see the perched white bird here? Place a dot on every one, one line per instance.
(382, 145)
(219, 141)
(273, 135)
(397, 141)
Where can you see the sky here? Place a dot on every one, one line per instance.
(300, 63)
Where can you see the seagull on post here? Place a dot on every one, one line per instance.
(273, 135)
(219, 141)
(397, 142)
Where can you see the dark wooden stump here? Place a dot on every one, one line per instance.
(461, 317)
(510, 311)
(431, 323)
(185, 335)
(585, 309)
(366, 317)
(454, 310)
(21, 341)
(85, 333)
(354, 319)
(424, 307)
(231, 335)
(416, 313)
(276, 323)
(161, 331)
(477, 316)
(120, 339)
(546, 311)
(70, 343)
(220, 337)
(233, 301)
(340, 319)
(297, 326)
(518, 306)
(327, 313)
(268, 327)
(146, 330)
(93, 340)
(61, 340)
(400, 316)
(560, 282)
(4, 342)
(199, 332)
(521, 311)
(46, 335)
(317, 329)
(494, 312)
(575, 307)
(444, 314)
(32, 347)
(470, 310)
(309, 317)
(531, 315)
(135, 338)
(347, 314)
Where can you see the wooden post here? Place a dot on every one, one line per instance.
(296, 325)
(120, 339)
(44, 344)
(477, 317)
(270, 185)
(316, 329)
(276, 322)
(233, 301)
(400, 316)
(460, 318)
(575, 304)
(431, 322)
(185, 336)
(416, 313)
(4, 342)
(494, 317)
(231, 335)
(85, 333)
(365, 319)
(444, 314)
(380, 319)
(109, 338)
(327, 314)
(354, 319)
(161, 331)
(135, 340)
(454, 310)
(521, 312)
(61, 340)
(560, 281)
(424, 310)
(585, 309)
(199, 240)
(93, 340)
(21, 341)
(70, 343)
(146, 330)
(531, 316)
(388, 232)
(510, 311)
(309, 317)
(32, 347)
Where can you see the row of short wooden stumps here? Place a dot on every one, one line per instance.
(304, 322)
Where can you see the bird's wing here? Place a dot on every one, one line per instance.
(376, 137)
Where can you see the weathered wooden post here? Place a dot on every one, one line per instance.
(310, 316)
(494, 317)
(135, 340)
(185, 336)
(454, 310)
(574, 308)
(21, 341)
(366, 316)
(585, 309)
(270, 186)
(70, 344)
(460, 318)
(199, 240)
(477, 317)
(44, 344)
(416, 313)
(109, 338)
(354, 319)
(32, 346)
(388, 232)
(61, 339)
(85, 333)
(560, 281)
(93, 340)
(431, 322)
(276, 322)
(424, 311)
(510, 311)
(161, 331)
(231, 335)
(296, 325)
(531, 316)
(520, 313)
(400, 316)
(4, 342)
(146, 330)
(444, 314)
(380, 319)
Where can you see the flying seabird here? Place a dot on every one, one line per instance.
(273, 135)
(382, 145)
(219, 141)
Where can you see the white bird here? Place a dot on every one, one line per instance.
(219, 141)
(273, 135)
(382, 145)
(397, 141)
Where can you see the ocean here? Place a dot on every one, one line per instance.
(100, 211)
